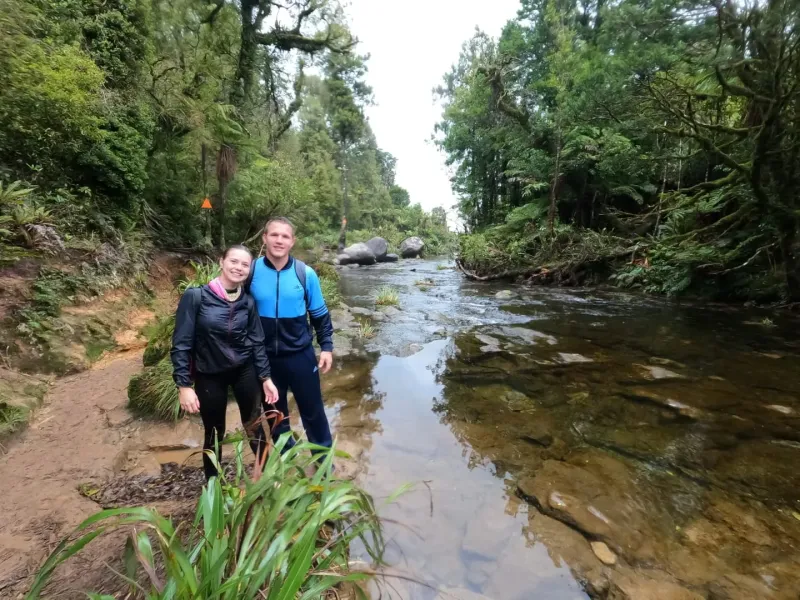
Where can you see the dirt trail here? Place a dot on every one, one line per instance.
(69, 442)
(84, 434)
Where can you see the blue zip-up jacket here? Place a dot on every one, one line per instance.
(282, 307)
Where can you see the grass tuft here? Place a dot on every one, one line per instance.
(387, 296)
(366, 330)
(12, 418)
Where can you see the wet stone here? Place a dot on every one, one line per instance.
(639, 587)
(656, 372)
(504, 295)
(487, 535)
(526, 336)
(390, 311)
(604, 553)
(538, 434)
(568, 358)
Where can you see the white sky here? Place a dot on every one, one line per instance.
(412, 44)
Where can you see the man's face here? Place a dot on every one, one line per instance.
(279, 239)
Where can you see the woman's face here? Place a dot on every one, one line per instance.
(236, 266)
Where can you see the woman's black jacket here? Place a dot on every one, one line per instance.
(213, 335)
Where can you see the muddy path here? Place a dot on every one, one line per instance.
(73, 440)
(85, 451)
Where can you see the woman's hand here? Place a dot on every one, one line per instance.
(188, 399)
(270, 392)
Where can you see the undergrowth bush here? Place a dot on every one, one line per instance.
(330, 291)
(159, 339)
(153, 394)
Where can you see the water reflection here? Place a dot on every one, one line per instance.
(654, 444)
(465, 528)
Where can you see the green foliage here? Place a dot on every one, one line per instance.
(159, 340)
(281, 535)
(203, 272)
(12, 418)
(152, 393)
(646, 121)
(327, 271)
(386, 296)
(120, 116)
(330, 291)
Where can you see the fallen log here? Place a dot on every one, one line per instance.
(526, 272)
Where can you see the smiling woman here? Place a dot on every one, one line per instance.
(218, 344)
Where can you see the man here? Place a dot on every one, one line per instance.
(283, 302)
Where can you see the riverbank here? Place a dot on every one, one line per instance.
(568, 256)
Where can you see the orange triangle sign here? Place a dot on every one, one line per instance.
(206, 203)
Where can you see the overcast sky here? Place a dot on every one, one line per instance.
(412, 44)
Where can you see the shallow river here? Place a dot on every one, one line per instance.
(537, 424)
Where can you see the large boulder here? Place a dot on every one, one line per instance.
(411, 247)
(379, 247)
(357, 254)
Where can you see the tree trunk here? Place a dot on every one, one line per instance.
(248, 49)
(226, 169)
(551, 214)
(788, 234)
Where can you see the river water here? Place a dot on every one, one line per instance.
(548, 430)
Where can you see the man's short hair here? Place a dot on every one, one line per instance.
(283, 220)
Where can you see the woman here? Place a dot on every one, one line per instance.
(218, 342)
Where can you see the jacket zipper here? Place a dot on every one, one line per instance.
(230, 320)
(277, 296)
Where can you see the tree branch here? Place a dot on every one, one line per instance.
(287, 40)
(286, 119)
(218, 6)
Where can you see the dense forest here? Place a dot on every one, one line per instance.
(652, 144)
(119, 117)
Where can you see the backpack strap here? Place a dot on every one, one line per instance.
(196, 298)
(300, 271)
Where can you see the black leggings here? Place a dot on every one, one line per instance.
(212, 391)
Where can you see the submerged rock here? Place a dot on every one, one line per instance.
(639, 587)
(604, 553)
(526, 336)
(655, 372)
(569, 358)
(460, 594)
(389, 258)
(504, 295)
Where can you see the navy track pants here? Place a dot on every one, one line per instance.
(297, 371)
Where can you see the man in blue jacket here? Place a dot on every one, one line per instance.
(287, 293)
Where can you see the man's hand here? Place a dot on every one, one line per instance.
(270, 392)
(188, 400)
(325, 361)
